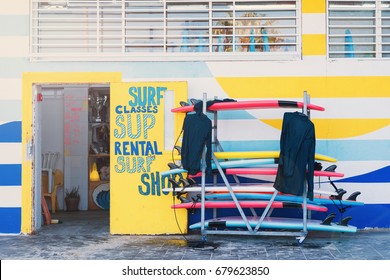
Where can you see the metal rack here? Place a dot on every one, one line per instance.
(300, 235)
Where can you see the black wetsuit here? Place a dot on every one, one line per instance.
(297, 149)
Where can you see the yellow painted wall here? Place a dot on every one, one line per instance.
(313, 6)
(318, 87)
(313, 44)
(137, 203)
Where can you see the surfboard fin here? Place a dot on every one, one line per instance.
(178, 149)
(328, 220)
(171, 165)
(344, 222)
(217, 225)
(192, 181)
(182, 199)
(331, 168)
(174, 183)
(339, 196)
(177, 194)
(183, 103)
(187, 183)
(353, 196)
(194, 101)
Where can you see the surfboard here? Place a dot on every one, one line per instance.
(251, 104)
(262, 155)
(248, 204)
(274, 223)
(242, 188)
(282, 197)
(273, 171)
(101, 196)
(226, 164)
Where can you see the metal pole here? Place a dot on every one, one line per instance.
(203, 180)
(306, 100)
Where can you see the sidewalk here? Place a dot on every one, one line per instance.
(85, 236)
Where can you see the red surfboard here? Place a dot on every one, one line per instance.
(252, 104)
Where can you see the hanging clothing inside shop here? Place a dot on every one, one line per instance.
(196, 134)
(296, 160)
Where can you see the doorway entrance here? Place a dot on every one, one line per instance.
(57, 116)
(72, 128)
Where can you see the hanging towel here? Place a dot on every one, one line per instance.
(297, 149)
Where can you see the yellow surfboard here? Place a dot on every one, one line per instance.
(262, 154)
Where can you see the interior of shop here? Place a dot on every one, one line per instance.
(75, 131)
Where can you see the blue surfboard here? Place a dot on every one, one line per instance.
(226, 164)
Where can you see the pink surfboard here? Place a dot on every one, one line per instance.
(252, 104)
(249, 204)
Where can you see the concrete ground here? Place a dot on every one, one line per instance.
(84, 235)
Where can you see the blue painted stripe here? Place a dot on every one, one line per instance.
(10, 174)
(14, 68)
(11, 219)
(233, 115)
(381, 175)
(360, 150)
(14, 25)
(342, 150)
(11, 132)
(367, 216)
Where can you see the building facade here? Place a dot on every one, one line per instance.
(337, 51)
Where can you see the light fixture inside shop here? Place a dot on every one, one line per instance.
(94, 175)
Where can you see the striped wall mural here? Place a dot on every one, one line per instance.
(13, 45)
(355, 127)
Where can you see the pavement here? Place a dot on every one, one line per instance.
(84, 235)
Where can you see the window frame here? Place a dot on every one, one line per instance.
(162, 56)
(377, 36)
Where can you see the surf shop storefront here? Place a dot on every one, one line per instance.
(144, 131)
(141, 129)
(346, 76)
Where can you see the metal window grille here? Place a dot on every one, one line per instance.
(358, 29)
(161, 29)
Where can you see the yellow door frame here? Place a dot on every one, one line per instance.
(28, 80)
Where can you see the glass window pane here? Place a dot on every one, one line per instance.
(165, 26)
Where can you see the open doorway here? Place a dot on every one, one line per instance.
(72, 120)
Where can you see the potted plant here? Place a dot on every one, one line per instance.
(72, 199)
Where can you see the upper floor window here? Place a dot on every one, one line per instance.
(358, 29)
(165, 29)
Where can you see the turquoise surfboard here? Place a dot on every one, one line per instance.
(273, 223)
(290, 198)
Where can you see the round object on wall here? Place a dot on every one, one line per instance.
(101, 196)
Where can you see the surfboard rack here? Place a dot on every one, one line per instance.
(255, 227)
(220, 228)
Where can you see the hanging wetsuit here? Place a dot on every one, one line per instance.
(196, 134)
(297, 149)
